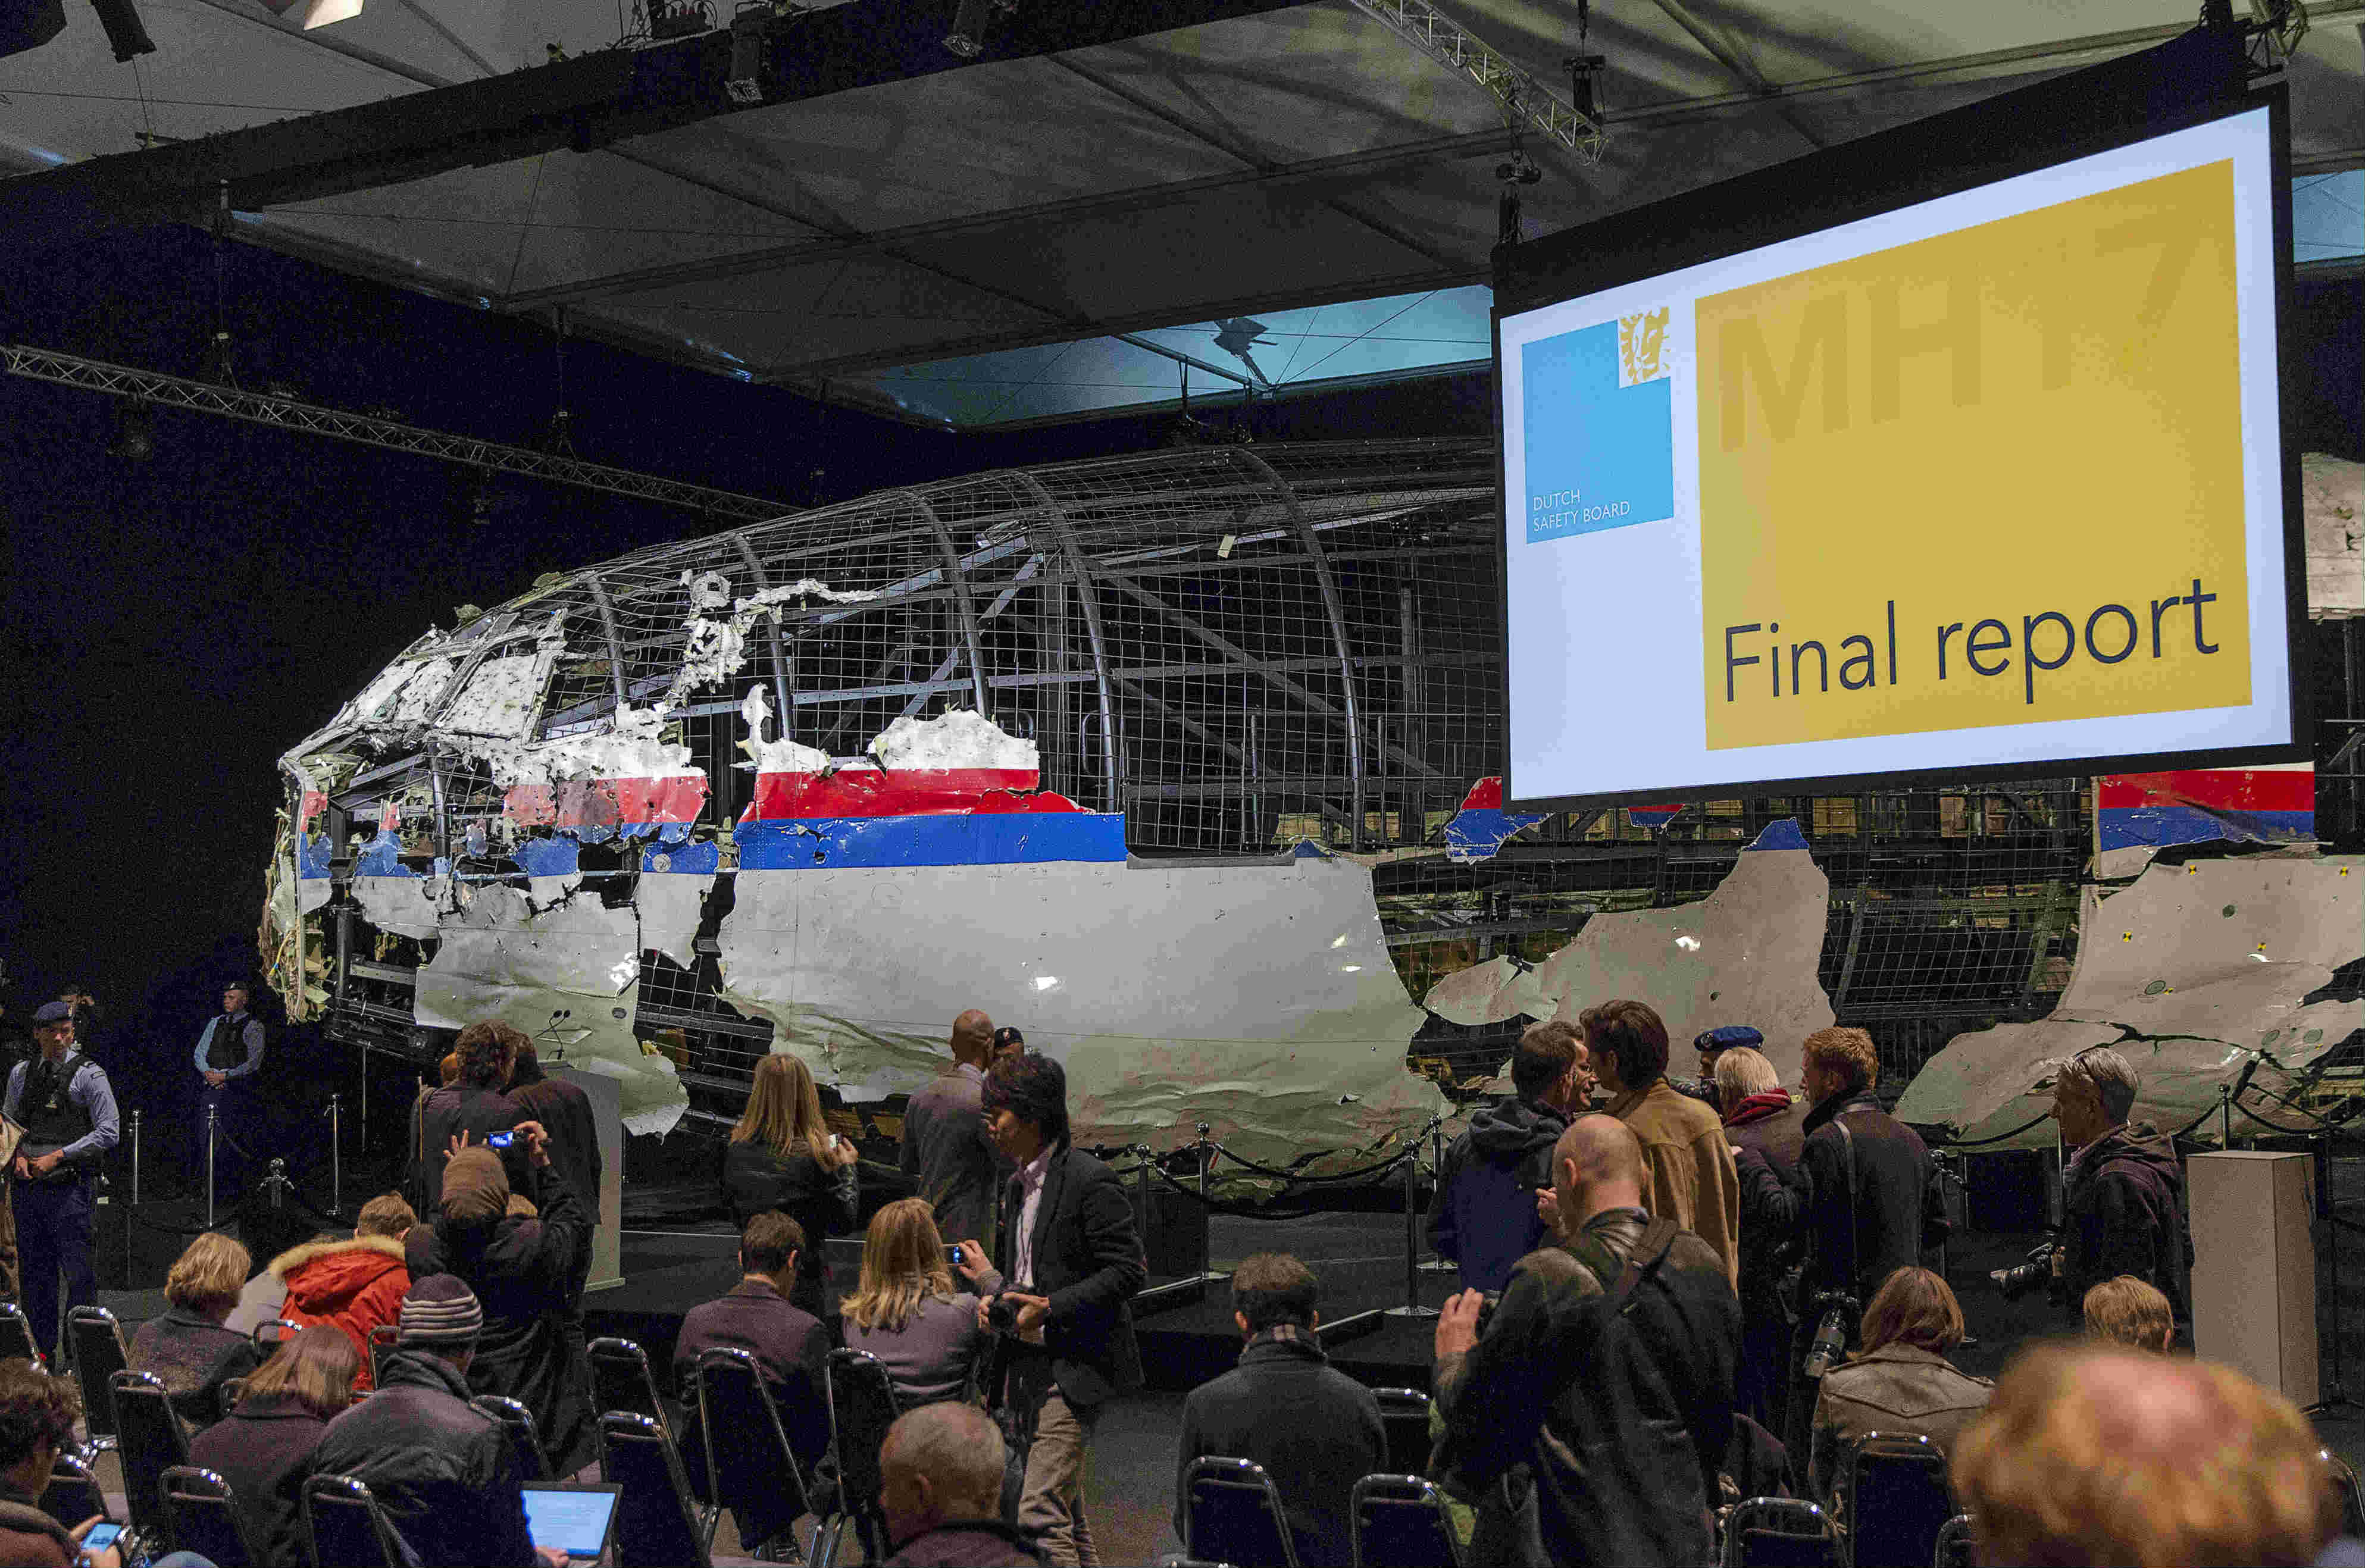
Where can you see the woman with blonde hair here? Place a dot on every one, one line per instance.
(188, 1347)
(264, 1448)
(782, 1156)
(1900, 1383)
(908, 1312)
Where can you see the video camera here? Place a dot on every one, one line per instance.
(1838, 1310)
(2022, 1278)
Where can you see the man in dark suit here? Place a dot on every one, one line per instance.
(1065, 1331)
(1316, 1430)
(945, 1146)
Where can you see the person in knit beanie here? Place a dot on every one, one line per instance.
(445, 1471)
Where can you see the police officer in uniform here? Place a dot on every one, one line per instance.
(66, 1106)
(229, 1054)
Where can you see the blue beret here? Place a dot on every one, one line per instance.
(52, 1013)
(1730, 1037)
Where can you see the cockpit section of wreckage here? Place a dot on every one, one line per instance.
(1179, 762)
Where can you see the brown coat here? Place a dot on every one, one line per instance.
(1688, 1171)
(1895, 1390)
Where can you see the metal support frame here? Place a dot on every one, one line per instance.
(286, 413)
(771, 636)
(608, 626)
(1335, 608)
(1088, 597)
(961, 595)
(1522, 96)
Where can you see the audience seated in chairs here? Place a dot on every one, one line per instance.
(265, 1447)
(2096, 1454)
(443, 1470)
(907, 1311)
(522, 1269)
(1901, 1384)
(1316, 1430)
(189, 1348)
(941, 1469)
(789, 1344)
(2131, 1312)
(352, 1285)
(37, 1418)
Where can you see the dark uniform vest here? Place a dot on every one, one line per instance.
(226, 1047)
(51, 1119)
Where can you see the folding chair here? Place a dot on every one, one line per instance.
(73, 1494)
(1780, 1532)
(658, 1523)
(750, 1466)
(347, 1528)
(201, 1516)
(1404, 1417)
(151, 1440)
(620, 1379)
(517, 1422)
(1233, 1515)
(1400, 1522)
(1895, 1497)
(269, 1336)
(383, 1337)
(16, 1338)
(1954, 1544)
(862, 1405)
(98, 1354)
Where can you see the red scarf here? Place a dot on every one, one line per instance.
(1757, 1107)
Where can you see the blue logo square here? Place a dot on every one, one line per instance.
(1600, 454)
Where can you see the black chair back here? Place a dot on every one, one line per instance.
(383, 1337)
(98, 1355)
(659, 1524)
(620, 1379)
(1955, 1544)
(1894, 1488)
(2352, 1498)
(1234, 1514)
(534, 1465)
(73, 1493)
(862, 1405)
(149, 1439)
(1780, 1532)
(269, 1336)
(1400, 1522)
(17, 1341)
(201, 1516)
(348, 1529)
(749, 1465)
(1404, 1418)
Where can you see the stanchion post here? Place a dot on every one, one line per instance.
(1207, 1234)
(210, 1166)
(135, 1157)
(1412, 1307)
(336, 1158)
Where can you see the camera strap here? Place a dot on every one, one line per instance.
(1847, 1161)
(1649, 1251)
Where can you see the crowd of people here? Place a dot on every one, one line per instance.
(1676, 1294)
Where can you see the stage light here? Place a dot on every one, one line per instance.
(135, 432)
(972, 19)
(123, 30)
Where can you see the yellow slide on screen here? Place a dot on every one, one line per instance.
(1891, 449)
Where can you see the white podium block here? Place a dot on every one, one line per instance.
(607, 1112)
(2254, 1268)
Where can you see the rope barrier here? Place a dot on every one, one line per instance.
(1390, 1163)
(1983, 1142)
(1266, 1210)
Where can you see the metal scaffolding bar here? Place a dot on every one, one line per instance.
(1088, 597)
(286, 413)
(969, 629)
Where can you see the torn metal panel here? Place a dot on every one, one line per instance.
(556, 962)
(2332, 497)
(1482, 826)
(2138, 814)
(1258, 998)
(1746, 954)
(403, 905)
(671, 895)
(2195, 972)
(500, 700)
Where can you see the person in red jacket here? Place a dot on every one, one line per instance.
(352, 1286)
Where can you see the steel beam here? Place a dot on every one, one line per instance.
(1088, 597)
(771, 634)
(969, 626)
(261, 409)
(1520, 96)
(608, 626)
